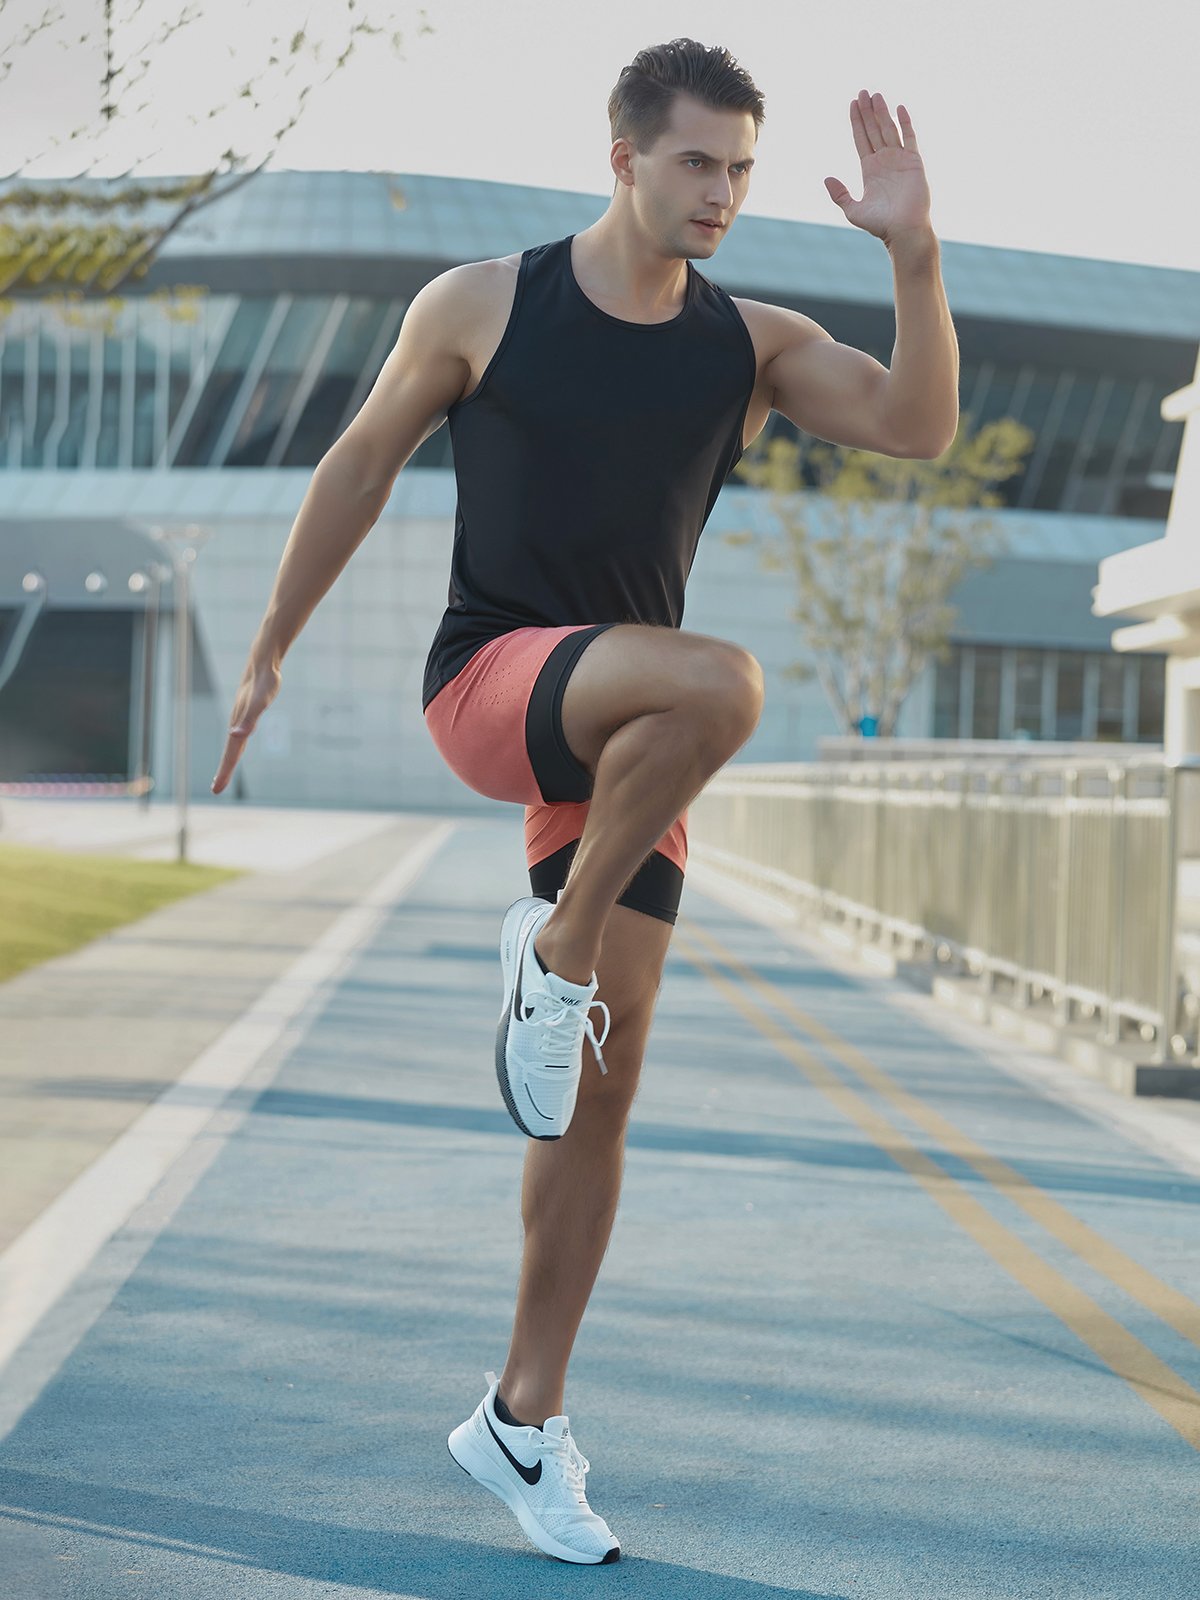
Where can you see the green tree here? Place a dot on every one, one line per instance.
(875, 545)
(68, 242)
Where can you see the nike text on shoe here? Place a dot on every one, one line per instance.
(539, 1474)
(539, 1039)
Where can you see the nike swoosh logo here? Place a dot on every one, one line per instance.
(530, 1474)
(544, 1115)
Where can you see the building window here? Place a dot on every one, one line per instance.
(985, 711)
(1027, 709)
(1068, 696)
(1152, 676)
(1004, 692)
(1110, 704)
(947, 684)
(66, 709)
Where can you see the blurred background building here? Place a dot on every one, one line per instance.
(218, 420)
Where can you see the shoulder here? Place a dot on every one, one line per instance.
(776, 328)
(463, 306)
(474, 283)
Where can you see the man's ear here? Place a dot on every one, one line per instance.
(620, 159)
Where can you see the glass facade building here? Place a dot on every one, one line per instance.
(266, 317)
(268, 381)
(305, 279)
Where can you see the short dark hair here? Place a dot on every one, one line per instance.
(639, 108)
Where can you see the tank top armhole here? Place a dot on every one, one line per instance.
(739, 450)
(504, 339)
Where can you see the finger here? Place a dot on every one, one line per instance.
(862, 142)
(887, 128)
(836, 189)
(870, 121)
(233, 749)
(906, 128)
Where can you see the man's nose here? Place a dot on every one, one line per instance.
(721, 194)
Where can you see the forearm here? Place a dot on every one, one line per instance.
(335, 517)
(922, 384)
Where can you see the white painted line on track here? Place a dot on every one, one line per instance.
(42, 1263)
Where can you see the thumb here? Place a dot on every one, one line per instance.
(840, 195)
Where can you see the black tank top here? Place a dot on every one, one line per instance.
(588, 459)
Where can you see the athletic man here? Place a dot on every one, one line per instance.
(599, 391)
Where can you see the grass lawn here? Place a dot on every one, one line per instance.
(52, 901)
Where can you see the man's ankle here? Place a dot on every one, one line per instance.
(565, 961)
(520, 1415)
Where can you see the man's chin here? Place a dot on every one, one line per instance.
(698, 245)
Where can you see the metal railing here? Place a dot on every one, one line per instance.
(1059, 878)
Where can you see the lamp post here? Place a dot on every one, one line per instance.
(150, 580)
(182, 545)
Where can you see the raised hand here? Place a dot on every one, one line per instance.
(895, 194)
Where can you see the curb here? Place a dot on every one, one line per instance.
(1034, 1027)
(1116, 1066)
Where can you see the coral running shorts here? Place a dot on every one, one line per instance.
(498, 726)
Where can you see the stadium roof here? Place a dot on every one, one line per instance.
(431, 220)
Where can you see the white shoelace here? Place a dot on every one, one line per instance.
(572, 1463)
(555, 1018)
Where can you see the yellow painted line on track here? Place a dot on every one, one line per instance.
(1151, 1378)
(1166, 1303)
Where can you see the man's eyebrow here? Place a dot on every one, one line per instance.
(742, 161)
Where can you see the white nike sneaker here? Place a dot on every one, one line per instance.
(539, 1039)
(539, 1474)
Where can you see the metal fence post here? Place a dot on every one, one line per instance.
(1062, 1001)
(964, 824)
(877, 843)
(1026, 781)
(991, 829)
(1120, 781)
(1168, 959)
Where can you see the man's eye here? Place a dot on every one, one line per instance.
(694, 158)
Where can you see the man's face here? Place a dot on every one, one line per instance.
(698, 172)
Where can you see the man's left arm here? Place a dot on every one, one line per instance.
(920, 394)
(842, 394)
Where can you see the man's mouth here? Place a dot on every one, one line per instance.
(713, 227)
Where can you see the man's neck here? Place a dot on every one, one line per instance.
(624, 276)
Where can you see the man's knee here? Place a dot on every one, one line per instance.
(727, 696)
(631, 669)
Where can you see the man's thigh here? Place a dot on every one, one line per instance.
(633, 953)
(630, 669)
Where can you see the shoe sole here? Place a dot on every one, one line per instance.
(466, 1454)
(510, 932)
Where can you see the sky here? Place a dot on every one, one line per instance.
(1049, 125)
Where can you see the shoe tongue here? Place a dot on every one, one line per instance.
(555, 1427)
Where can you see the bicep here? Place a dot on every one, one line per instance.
(832, 391)
(423, 376)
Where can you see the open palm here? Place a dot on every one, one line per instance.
(895, 193)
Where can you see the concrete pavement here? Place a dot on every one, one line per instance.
(891, 1308)
(89, 1039)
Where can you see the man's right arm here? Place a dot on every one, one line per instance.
(426, 372)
